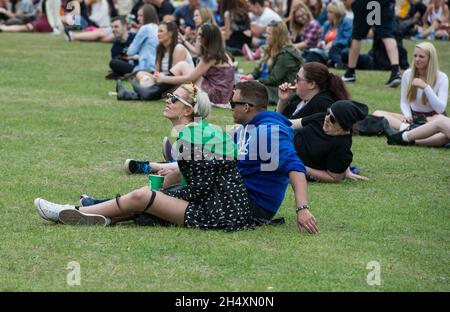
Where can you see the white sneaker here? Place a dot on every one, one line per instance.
(48, 210)
(75, 217)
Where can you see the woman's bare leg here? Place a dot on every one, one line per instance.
(394, 119)
(165, 207)
(17, 28)
(433, 133)
(99, 34)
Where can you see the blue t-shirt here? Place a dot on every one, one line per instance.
(266, 155)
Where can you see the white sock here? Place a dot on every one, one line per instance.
(405, 136)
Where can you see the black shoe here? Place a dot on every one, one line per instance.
(112, 76)
(394, 81)
(123, 94)
(349, 77)
(135, 166)
(153, 92)
(67, 33)
(396, 139)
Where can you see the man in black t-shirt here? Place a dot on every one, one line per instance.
(120, 63)
(323, 141)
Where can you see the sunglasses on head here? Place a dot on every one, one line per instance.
(173, 98)
(331, 116)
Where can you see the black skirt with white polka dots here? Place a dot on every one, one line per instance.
(216, 195)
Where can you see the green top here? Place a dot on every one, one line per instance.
(211, 137)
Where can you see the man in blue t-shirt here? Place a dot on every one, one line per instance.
(267, 159)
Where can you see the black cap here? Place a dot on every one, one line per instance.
(348, 112)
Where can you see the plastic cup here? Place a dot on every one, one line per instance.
(155, 182)
(183, 180)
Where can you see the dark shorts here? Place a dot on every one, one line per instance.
(361, 27)
(262, 216)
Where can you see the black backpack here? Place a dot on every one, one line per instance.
(371, 125)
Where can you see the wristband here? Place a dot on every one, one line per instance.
(301, 208)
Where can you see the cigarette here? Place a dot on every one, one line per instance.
(291, 87)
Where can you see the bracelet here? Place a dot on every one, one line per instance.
(301, 208)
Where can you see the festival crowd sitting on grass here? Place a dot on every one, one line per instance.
(186, 54)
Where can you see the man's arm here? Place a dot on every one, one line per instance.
(305, 220)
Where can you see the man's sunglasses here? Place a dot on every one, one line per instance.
(331, 116)
(233, 104)
(173, 98)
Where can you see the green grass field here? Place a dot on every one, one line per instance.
(62, 136)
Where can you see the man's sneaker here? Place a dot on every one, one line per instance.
(349, 77)
(75, 217)
(394, 81)
(248, 54)
(86, 200)
(167, 150)
(396, 139)
(50, 211)
(135, 166)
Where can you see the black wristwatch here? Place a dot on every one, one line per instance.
(301, 208)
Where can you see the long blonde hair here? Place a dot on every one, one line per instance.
(280, 38)
(432, 71)
(297, 28)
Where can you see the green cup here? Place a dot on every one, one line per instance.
(183, 180)
(155, 182)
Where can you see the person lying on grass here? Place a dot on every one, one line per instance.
(323, 141)
(214, 197)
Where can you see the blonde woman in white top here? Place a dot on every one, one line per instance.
(424, 92)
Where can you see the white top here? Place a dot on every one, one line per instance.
(100, 13)
(165, 60)
(265, 18)
(437, 96)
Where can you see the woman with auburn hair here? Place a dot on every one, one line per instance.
(214, 72)
(316, 90)
(305, 30)
(214, 196)
(280, 61)
(424, 92)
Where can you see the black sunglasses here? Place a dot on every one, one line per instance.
(173, 98)
(233, 104)
(332, 118)
(298, 78)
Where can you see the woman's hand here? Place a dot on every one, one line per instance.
(284, 93)
(181, 38)
(164, 172)
(354, 177)
(419, 83)
(407, 119)
(159, 77)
